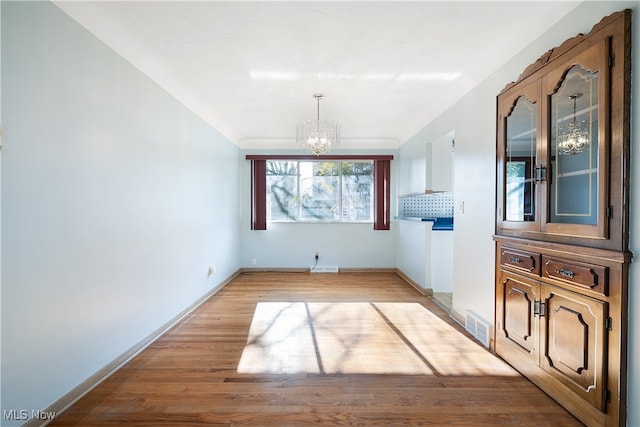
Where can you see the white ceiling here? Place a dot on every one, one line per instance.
(250, 69)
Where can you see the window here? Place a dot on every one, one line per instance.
(320, 189)
(328, 190)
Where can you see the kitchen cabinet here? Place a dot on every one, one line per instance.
(412, 170)
(442, 260)
(427, 168)
(439, 160)
(413, 254)
(562, 258)
(424, 254)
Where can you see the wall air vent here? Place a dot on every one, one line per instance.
(478, 327)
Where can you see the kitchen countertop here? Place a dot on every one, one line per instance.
(439, 224)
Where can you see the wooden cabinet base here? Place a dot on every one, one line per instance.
(569, 340)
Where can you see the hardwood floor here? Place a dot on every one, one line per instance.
(292, 349)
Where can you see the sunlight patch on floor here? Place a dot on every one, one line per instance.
(360, 338)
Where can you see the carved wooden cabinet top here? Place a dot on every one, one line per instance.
(569, 44)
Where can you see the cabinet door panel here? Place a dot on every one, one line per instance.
(517, 323)
(577, 101)
(518, 131)
(573, 338)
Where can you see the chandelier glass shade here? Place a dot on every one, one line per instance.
(318, 136)
(573, 137)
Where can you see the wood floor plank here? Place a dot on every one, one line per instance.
(368, 350)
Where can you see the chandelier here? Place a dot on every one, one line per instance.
(318, 136)
(573, 138)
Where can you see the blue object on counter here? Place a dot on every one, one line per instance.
(439, 224)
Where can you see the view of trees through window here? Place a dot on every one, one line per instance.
(520, 205)
(320, 190)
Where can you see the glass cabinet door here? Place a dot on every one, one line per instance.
(518, 148)
(520, 153)
(577, 189)
(574, 149)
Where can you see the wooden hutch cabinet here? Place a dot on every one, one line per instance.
(562, 258)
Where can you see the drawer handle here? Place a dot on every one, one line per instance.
(566, 273)
(515, 260)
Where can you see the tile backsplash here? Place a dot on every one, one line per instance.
(437, 205)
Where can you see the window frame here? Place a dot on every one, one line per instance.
(381, 179)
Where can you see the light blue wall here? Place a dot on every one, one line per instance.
(293, 245)
(473, 120)
(116, 200)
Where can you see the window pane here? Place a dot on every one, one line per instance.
(282, 191)
(357, 190)
(320, 191)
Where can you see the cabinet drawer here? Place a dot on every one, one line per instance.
(585, 276)
(528, 262)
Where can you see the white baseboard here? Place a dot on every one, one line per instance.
(457, 317)
(423, 291)
(273, 270)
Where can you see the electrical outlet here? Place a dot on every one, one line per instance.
(253, 261)
(211, 271)
(317, 254)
